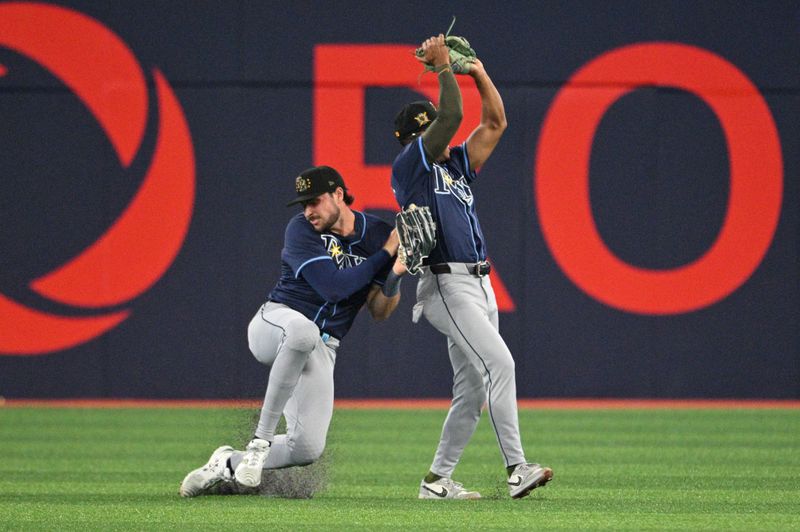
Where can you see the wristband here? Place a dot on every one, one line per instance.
(391, 287)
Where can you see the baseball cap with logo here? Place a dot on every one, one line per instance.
(315, 182)
(414, 118)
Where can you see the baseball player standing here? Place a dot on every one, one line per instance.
(454, 292)
(334, 260)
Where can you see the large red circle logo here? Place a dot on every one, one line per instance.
(143, 242)
(562, 179)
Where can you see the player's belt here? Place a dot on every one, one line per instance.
(478, 269)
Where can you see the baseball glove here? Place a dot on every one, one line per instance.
(417, 233)
(461, 54)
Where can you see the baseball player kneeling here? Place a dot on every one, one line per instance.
(334, 261)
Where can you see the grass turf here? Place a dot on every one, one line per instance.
(614, 469)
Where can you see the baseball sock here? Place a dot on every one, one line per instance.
(510, 469)
(431, 477)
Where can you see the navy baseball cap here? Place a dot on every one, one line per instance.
(315, 182)
(414, 118)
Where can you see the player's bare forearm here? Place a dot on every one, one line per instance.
(380, 306)
(484, 138)
(493, 113)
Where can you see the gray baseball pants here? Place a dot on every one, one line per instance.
(463, 307)
(300, 385)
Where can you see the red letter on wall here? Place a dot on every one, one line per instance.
(342, 72)
(562, 179)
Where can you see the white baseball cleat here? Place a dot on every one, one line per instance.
(445, 488)
(202, 480)
(248, 472)
(527, 477)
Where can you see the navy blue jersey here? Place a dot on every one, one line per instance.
(444, 187)
(304, 247)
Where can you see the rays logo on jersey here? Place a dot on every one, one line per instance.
(340, 258)
(446, 184)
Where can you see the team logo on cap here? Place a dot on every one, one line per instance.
(422, 118)
(302, 184)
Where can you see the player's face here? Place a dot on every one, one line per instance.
(322, 212)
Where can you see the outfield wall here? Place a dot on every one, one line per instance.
(641, 211)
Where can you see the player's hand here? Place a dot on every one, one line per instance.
(435, 51)
(476, 68)
(399, 268)
(392, 243)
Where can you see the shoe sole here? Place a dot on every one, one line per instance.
(473, 497)
(547, 476)
(194, 492)
(248, 480)
(185, 491)
(249, 477)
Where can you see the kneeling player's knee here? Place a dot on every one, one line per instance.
(259, 342)
(307, 448)
(301, 335)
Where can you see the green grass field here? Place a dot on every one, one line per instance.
(109, 469)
